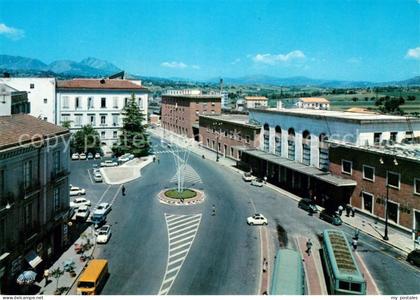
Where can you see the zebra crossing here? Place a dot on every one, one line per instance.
(168, 151)
(182, 230)
(190, 176)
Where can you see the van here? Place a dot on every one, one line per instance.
(93, 278)
(98, 219)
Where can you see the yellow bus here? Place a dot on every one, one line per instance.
(93, 277)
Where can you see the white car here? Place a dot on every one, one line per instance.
(257, 182)
(103, 234)
(90, 156)
(77, 202)
(97, 177)
(102, 209)
(82, 212)
(75, 156)
(82, 156)
(97, 156)
(247, 177)
(76, 191)
(257, 219)
(109, 163)
(125, 157)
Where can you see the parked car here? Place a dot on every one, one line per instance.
(90, 156)
(257, 219)
(103, 208)
(82, 156)
(109, 163)
(330, 217)
(76, 191)
(97, 156)
(82, 212)
(75, 156)
(414, 257)
(97, 177)
(80, 201)
(125, 157)
(247, 177)
(103, 234)
(306, 204)
(257, 182)
(98, 219)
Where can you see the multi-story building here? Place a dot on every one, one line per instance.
(228, 134)
(98, 102)
(13, 101)
(34, 194)
(255, 101)
(41, 95)
(389, 172)
(313, 103)
(180, 112)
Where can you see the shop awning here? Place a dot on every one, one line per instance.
(301, 168)
(33, 258)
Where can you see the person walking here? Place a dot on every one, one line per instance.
(213, 210)
(46, 276)
(340, 210)
(356, 234)
(354, 244)
(123, 190)
(348, 209)
(308, 247)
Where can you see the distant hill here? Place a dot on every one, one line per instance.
(21, 63)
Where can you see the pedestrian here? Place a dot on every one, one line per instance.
(265, 179)
(353, 211)
(158, 159)
(340, 210)
(308, 247)
(213, 210)
(356, 234)
(46, 275)
(123, 190)
(354, 244)
(154, 158)
(348, 209)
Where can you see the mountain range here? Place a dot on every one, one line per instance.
(94, 67)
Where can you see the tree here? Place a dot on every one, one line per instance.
(57, 273)
(133, 138)
(66, 124)
(86, 140)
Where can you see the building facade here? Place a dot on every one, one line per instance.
(34, 195)
(41, 95)
(228, 134)
(255, 101)
(100, 103)
(313, 103)
(376, 168)
(180, 113)
(13, 101)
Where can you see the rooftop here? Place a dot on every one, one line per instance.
(232, 118)
(98, 84)
(192, 96)
(21, 129)
(255, 98)
(314, 100)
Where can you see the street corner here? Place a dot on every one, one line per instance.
(165, 197)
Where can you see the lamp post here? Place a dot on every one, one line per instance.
(385, 237)
(218, 124)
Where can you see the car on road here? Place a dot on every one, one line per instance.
(82, 156)
(97, 156)
(306, 204)
(103, 234)
(90, 156)
(414, 257)
(82, 212)
(257, 219)
(330, 217)
(103, 208)
(97, 177)
(97, 219)
(76, 191)
(109, 163)
(257, 182)
(247, 177)
(75, 156)
(77, 202)
(125, 157)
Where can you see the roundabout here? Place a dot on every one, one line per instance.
(185, 197)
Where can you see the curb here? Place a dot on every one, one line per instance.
(198, 199)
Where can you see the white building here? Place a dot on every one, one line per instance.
(41, 95)
(98, 102)
(183, 92)
(299, 134)
(255, 101)
(313, 103)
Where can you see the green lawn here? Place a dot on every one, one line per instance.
(186, 194)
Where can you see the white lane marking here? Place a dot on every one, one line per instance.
(116, 194)
(103, 195)
(180, 242)
(90, 177)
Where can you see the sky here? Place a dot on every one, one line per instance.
(340, 39)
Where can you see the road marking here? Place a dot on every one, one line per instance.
(190, 176)
(103, 195)
(376, 289)
(90, 177)
(116, 194)
(180, 242)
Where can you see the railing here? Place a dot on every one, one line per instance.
(56, 175)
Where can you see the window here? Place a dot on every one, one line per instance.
(393, 179)
(56, 161)
(344, 285)
(416, 186)
(393, 136)
(103, 120)
(92, 120)
(346, 167)
(393, 211)
(27, 173)
(368, 173)
(102, 134)
(115, 134)
(32, 85)
(114, 102)
(90, 102)
(115, 120)
(65, 102)
(78, 120)
(103, 102)
(377, 138)
(45, 100)
(56, 198)
(77, 102)
(27, 215)
(367, 202)
(64, 118)
(247, 138)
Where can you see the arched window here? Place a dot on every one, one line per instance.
(306, 148)
(291, 144)
(266, 137)
(278, 140)
(323, 152)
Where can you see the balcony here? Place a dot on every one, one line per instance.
(32, 189)
(59, 175)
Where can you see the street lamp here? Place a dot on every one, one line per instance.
(217, 139)
(385, 237)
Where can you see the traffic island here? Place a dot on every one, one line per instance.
(186, 197)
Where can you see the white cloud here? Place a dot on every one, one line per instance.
(272, 59)
(236, 61)
(413, 53)
(174, 65)
(195, 67)
(10, 32)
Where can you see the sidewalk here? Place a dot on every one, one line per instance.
(126, 172)
(66, 281)
(398, 239)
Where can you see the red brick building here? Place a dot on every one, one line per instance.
(228, 134)
(180, 113)
(373, 168)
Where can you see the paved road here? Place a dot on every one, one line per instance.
(224, 254)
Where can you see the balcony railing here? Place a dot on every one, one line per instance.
(57, 175)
